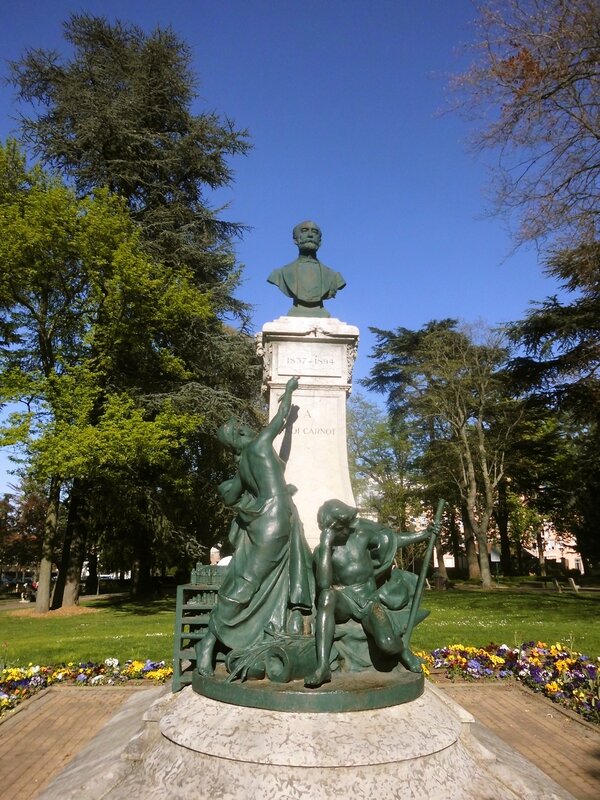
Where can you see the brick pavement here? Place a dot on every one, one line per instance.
(40, 739)
(561, 745)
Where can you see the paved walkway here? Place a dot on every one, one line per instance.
(557, 741)
(48, 730)
(40, 739)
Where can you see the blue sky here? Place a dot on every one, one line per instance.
(342, 100)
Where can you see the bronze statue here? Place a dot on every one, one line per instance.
(306, 279)
(355, 582)
(268, 582)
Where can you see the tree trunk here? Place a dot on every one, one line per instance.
(454, 535)
(440, 560)
(67, 586)
(42, 602)
(484, 559)
(141, 579)
(73, 576)
(92, 585)
(59, 587)
(472, 560)
(78, 547)
(520, 566)
(540, 549)
(502, 522)
(480, 529)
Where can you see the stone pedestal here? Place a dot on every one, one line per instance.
(321, 353)
(195, 748)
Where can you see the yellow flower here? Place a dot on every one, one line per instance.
(160, 674)
(427, 661)
(563, 664)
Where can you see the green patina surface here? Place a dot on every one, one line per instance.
(268, 586)
(307, 280)
(282, 616)
(352, 691)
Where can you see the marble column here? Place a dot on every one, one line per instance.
(321, 352)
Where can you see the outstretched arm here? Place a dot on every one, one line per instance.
(404, 539)
(277, 424)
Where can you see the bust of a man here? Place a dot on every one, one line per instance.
(306, 279)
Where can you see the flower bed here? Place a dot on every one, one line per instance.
(568, 678)
(19, 683)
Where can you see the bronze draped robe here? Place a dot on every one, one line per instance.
(267, 576)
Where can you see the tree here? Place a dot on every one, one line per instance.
(536, 76)
(22, 519)
(453, 389)
(78, 297)
(380, 467)
(525, 529)
(561, 339)
(388, 474)
(117, 115)
(558, 370)
(582, 514)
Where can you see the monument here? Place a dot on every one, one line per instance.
(263, 619)
(305, 683)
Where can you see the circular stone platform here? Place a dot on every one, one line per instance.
(348, 691)
(299, 739)
(204, 748)
(192, 747)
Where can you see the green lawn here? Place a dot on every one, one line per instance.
(127, 630)
(510, 617)
(123, 630)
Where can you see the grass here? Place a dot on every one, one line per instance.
(510, 617)
(129, 630)
(118, 629)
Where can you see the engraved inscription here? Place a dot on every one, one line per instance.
(305, 358)
(306, 430)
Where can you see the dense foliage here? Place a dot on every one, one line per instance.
(450, 388)
(119, 302)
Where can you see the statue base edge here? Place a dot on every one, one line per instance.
(347, 691)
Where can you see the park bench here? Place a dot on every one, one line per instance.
(542, 583)
(570, 585)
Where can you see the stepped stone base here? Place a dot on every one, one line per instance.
(195, 747)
